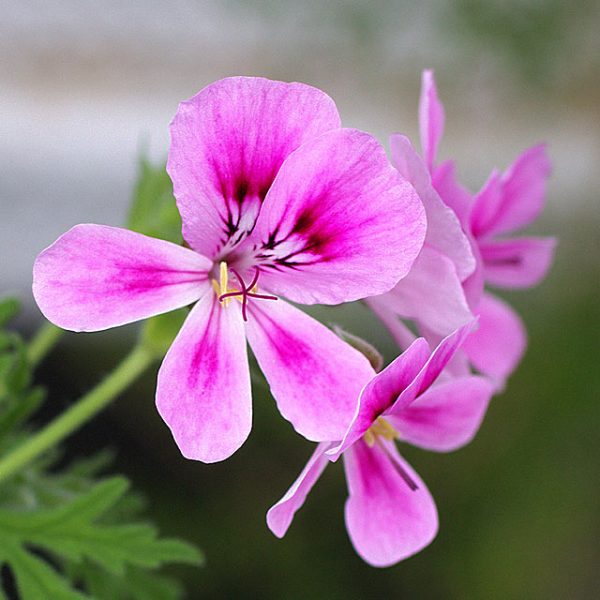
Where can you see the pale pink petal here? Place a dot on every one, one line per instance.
(431, 118)
(444, 231)
(203, 389)
(227, 144)
(390, 514)
(402, 335)
(431, 294)
(447, 415)
(486, 204)
(453, 194)
(523, 191)
(382, 392)
(518, 262)
(94, 277)
(280, 515)
(497, 346)
(314, 376)
(339, 222)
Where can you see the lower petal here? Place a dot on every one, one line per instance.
(315, 377)
(447, 416)
(203, 390)
(95, 277)
(280, 515)
(387, 518)
(497, 346)
(518, 262)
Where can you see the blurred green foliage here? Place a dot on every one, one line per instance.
(69, 534)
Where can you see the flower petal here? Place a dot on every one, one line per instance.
(94, 277)
(227, 144)
(517, 262)
(523, 192)
(431, 294)
(447, 415)
(382, 391)
(431, 118)
(314, 376)
(339, 222)
(498, 345)
(444, 231)
(203, 390)
(452, 193)
(387, 520)
(280, 515)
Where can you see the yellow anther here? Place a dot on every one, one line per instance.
(223, 277)
(382, 428)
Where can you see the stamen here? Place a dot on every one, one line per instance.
(245, 292)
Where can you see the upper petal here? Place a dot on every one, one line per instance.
(518, 262)
(314, 376)
(387, 519)
(447, 415)
(431, 294)
(339, 222)
(280, 515)
(454, 195)
(382, 391)
(431, 118)
(523, 192)
(498, 345)
(203, 389)
(227, 144)
(94, 277)
(444, 231)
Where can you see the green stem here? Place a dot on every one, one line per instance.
(42, 342)
(82, 411)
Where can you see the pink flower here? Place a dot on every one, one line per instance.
(506, 202)
(390, 514)
(276, 199)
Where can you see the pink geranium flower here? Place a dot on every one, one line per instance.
(390, 514)
(506, 203)
(276, 199)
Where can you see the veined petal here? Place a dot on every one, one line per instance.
(518, 262)
(431, 294)
(280, 515)
(388, 519)
(203, 390)
(382, 391)
(314, 376)
(498, 345)
(94, 277)
(431, 118)
(227, 144)
(486, 204)
(523, 191)
(339, 222)
(447, 415)
(444, 231)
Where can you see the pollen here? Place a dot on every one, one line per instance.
(382, 428)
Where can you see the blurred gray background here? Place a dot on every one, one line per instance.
(85, 86)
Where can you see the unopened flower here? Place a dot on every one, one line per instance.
(390, 514)
(276, 199)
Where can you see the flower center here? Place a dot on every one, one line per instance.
(382, 428)
(225, 293)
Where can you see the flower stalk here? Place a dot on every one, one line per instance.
(90, 404)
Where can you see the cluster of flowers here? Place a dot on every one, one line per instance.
(278, 200)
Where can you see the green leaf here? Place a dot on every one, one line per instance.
(9, 307)
(153, 211)
(35, 579)
(159, 332)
